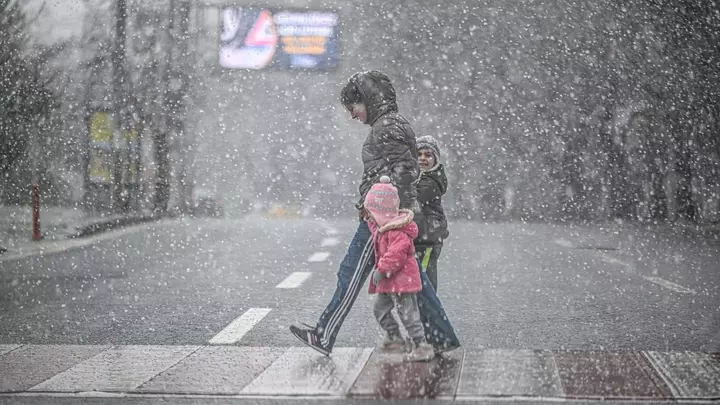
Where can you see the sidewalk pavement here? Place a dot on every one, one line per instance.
(56, 224)
(355, 372)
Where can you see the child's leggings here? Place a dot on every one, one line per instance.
(407, 308)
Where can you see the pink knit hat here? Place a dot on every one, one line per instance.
(382, 201)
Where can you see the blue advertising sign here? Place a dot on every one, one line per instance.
(260, 38)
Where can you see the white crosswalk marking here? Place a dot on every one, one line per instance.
(319, 257)
(281, 372)
(512, 372)
(693, 375)
(322, 376)
(294, 280)
(240, 326)
(29, 365)
(223, 370)
(328, 242)
(118, 369)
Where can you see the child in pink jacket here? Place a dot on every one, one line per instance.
(396, 278)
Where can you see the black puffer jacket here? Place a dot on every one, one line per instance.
(389, 149)
(431, 219)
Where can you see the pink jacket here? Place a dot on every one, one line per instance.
(395, 255)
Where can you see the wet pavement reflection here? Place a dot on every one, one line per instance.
(386, 376)
(362, 373)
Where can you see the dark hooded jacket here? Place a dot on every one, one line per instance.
(389, 148)
(431, 220)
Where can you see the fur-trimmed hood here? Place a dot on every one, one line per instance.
(403, 222)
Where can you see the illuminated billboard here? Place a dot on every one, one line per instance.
(261, 38)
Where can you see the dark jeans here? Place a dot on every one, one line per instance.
(355, 268)
(432, 261)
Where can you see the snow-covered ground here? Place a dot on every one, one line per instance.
(56, 223)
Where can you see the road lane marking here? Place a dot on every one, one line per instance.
(669, 285)
(563, 243)
(294, 280)
(612, 260)
(240, 326)
(327, 242)
(656, 280)
(629, 267)
(319, 257)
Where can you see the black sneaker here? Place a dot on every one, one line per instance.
(310, 338)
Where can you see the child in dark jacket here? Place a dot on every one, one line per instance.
(396, 278)
(431, 220)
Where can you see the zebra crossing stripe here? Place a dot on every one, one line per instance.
(688, 375)
(119, 369)
(294, 372)
(30, 365)
(322, 376)
(503, 372)
(214, 370)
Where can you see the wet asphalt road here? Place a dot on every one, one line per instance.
(504, 285)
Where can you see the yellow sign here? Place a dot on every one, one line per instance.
(101, 127)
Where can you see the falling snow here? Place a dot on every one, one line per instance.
(182, 173)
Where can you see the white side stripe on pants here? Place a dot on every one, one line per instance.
(348, 298)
